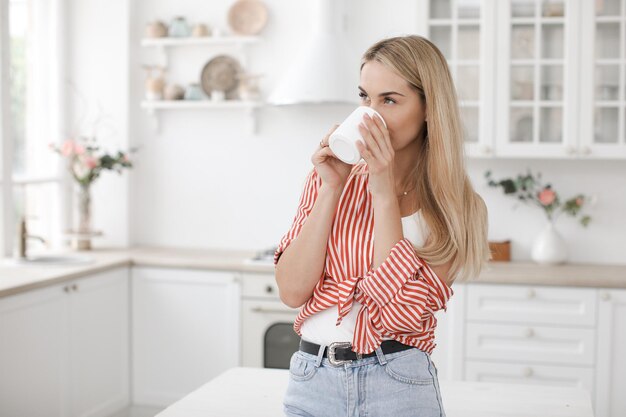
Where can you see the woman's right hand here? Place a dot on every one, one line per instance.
(333, 171)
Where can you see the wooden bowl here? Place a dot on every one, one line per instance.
(247, 17)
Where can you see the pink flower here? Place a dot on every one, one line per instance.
(579, 201)
(125, 158)
(79, 149)
(547, 197)
(67, 148)
(90, 162)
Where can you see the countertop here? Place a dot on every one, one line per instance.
(259, 392)
(15, 279)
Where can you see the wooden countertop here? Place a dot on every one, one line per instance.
(259, 392)
(15, 279)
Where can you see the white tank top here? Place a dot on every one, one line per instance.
(320, 328)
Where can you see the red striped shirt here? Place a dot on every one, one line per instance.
(399, 298)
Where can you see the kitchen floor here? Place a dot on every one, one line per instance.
(138, 411)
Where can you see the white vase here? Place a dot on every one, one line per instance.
(549, 247)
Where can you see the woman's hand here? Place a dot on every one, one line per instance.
(333, 171)
(379, 155)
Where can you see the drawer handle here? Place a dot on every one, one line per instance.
(606, 296)
(269, 289)
(528, 371)
(530, 332)
(531, 293)
(271, 310)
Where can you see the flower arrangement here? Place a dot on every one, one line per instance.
(85, 162)
(529, 189)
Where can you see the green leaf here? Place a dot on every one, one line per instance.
(509, 186)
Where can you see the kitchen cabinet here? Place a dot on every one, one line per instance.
(450, 336)
(535, 335)
(536, 79)
(545, 335)
(64, 349)
(603, 79)
(185, 327)
(611, 369)
(464, 32)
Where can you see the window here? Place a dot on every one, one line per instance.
(32, 181)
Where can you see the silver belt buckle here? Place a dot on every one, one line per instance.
(332, 348)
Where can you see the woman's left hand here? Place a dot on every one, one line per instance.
(378, 153)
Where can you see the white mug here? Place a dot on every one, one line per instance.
(343, 140)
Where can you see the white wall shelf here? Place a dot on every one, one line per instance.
(153, 106)
(237, 43)
(206, 40)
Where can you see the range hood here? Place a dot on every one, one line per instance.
(325, 70)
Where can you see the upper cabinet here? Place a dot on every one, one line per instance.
(535, 78)
(464, 32)
(603, 79)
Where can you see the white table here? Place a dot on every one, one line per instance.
(255, 392)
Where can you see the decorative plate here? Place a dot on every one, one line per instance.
(247, 17)
(220, 73)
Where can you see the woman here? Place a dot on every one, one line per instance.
(374, 248)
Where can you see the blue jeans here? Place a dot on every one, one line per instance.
(400, 384)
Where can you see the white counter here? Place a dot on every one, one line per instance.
(17, 279)
(254, 392)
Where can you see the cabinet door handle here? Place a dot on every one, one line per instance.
(269, 289)
(528, 371)
(586, 150)
(531, 293)
(66, 288)
(271, 310)
(606, 296)
(570, 150)
(75, 287)
(530, 332)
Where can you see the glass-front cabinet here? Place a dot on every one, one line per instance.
(537, 72)
(536, 78)
(603, 101)
(463, 31)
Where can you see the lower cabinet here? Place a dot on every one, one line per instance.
(530, 373)
(543, 335)
(449, 336)
(64, 349)
(611, 367)
(185, 327)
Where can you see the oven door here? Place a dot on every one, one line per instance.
(268, 338)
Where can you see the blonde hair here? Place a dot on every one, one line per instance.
(455, 214)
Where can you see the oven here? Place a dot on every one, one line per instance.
(267, 336)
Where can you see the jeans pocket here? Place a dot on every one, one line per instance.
(301, 369)
(411, 368)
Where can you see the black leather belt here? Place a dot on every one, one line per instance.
(339, 353)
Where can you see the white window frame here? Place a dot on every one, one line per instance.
(8, 182)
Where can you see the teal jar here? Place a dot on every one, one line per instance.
(194, 92)
(179, 28)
